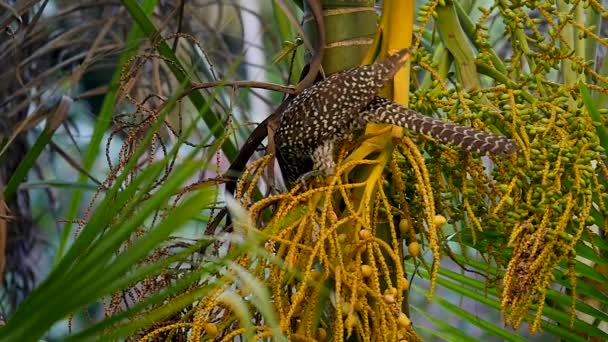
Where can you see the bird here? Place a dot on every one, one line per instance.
(333, 108)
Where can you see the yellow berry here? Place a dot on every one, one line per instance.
(413, 249)
(388, 298)
(350, 322)
(332, 216)
(439, 220)
(403, 321)
(365, 234)
(211, 329)
(366, 270)
(321, 334)
(404, 226)
(347, 309)
(405, 285)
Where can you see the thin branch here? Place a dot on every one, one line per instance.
(247, 84)
(315, 64)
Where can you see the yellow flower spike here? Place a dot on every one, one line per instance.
(396, 243)
(301, 293)
(393, 251)
(542, 291)
(381, 260)
(365, 324)
(256, 165)
(266, 333)
(260, 205)
(354, 301)
(505, 195)
(472, 218)
(423, 180)
(310, 311)
(572, 277)
(202, 311)
(293, 249)
(399, 189)
(232, 335)
(516, 233)
(158, 331)
(338, 323)
(350, 323)
(256, 178)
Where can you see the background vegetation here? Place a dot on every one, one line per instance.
(122, 124)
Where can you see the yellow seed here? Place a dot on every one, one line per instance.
(388, 298)
(439, 220)
(332, 216)
(404, 226)
(413, 249)
(211, 329)
(366, 270)
(321, 334)
(347, 309)
(365, 234)
(350, 323)
(405, 285)
(403, 321)
(392, 291)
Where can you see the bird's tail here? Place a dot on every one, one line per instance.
(381, 110)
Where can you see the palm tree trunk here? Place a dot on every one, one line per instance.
(350, 28)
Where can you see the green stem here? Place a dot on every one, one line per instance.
(469, 29)
(570, 76)
(459, 46)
